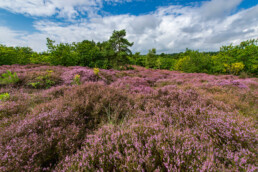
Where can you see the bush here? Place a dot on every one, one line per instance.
(182, 64)
(4, 96)
(96, 71)
(77, 79)
(57, 128)
(42, 80)
(9, 78)
(167, 142)
(141, 120)
(235, 68)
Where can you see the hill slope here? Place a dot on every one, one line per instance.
(78, 119)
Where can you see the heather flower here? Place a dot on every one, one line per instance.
(137, 120)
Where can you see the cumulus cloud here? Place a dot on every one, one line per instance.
(218, 8)
(62, 8)
(10, 37)
(168, 29)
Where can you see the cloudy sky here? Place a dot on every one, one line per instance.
(167, 25)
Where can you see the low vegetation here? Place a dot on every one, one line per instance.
(8, 78)
(82, 119)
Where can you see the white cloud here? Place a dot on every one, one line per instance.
(218, 8)
(31, 7)
(14, 38)
(62, 8)
(169, 29)
(10, 37)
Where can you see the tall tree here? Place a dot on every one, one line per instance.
(120, 46)
(151, 58)
(88, 53)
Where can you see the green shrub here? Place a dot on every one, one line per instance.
(235, 68)
(4, 96)
(77, 79)
(9, 78)
(182, 63)
(43, 81)
(96, 71)
(35, 84)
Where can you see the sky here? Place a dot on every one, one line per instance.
(170, 26)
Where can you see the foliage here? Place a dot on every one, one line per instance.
(118, 42)
(120, 45)
(62, 54)
(43, 81)
(235, 68)
(34, 84)
(228, 60)
(182, 64)
(9, 78)
(193, 62)
(150, 58)
(15, 55)
(158, 63)
(77, 79)
(4, 96)
(115, 53)
(96, 71)
(88, 54)
(245, 53)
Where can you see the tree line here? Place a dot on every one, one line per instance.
(115, 53)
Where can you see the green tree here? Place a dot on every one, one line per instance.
(24, 55)
(15, 55)
(246, 52)
(150, 61)
(158, 63)
(50, 45)
(134, 59)
(107, 55)
(120, 46)
(194, 61)
(7, 55)
(62, 54)
(88, 53)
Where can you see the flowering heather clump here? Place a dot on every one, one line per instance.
(18, 103)
(137, 120)
(108, 76)
(133, 84)
(149, 146)
(58, 127)
(86, 75)
(234, 83)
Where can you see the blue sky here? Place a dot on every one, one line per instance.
(167, 25)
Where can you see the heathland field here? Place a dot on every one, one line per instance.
(55, 118)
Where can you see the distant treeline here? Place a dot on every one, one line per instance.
(115, 53)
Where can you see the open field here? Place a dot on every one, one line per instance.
(55, 118)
